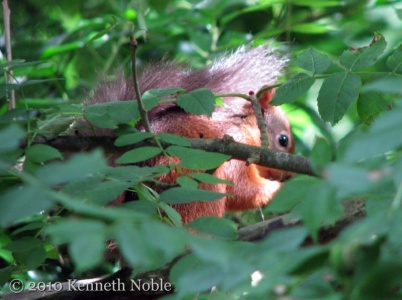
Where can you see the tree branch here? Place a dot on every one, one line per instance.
(264, 157)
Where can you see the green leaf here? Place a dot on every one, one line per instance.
(79, 167)
(187, 182)
(171, 213)
(313, 61)
(138, 154)
(111, 114)
(192, 275)
(383, 136)
(162, 93)
(399, 13)
(349, 180)
(391, 84)
(394, 61)
(208, 178)
(286, 199)
(292, 89)
(97, 190)
(22, 201)
(179, 195)
(196, 159)
(26, 243)
(321, 154)
(42, 153)
(135, 248)
(309, 28)
(336, 94)
(132, 138)
(149, 100)
(217, 227)
(198, 102)
(6, 88)
(319, 206)
(174, 139)
(135, 174)
(364, 57)
(284, 240)
(33, 259)
(5, 274)
(322, 3)
(28, 251)
(372, 104)
(86, 240)
(10, 138)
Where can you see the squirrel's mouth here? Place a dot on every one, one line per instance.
(274, 174)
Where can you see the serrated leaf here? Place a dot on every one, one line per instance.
(138, 154)
(292, 89)
(372, 104)
(196, 159)
(198, 102)
(132, 138)
(313, 61)
(217, 227)
(79, 167)
(179, 195)
(22, 201)
(394, 61)
(337, 92)
(111, 114)
(364, 57)
(42, 153)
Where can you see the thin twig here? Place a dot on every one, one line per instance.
(141, 107)
(260, 120)
(7, 34)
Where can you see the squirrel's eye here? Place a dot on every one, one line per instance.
(242, 117)
(283, 140)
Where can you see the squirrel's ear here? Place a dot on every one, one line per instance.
(266, 98)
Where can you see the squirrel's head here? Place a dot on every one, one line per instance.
(279, 134)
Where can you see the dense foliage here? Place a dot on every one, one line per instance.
(344, 105)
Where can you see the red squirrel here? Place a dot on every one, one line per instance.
(247, 69)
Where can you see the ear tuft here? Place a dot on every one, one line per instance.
(266, 98)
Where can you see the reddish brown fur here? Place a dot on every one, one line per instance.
(244, 70)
